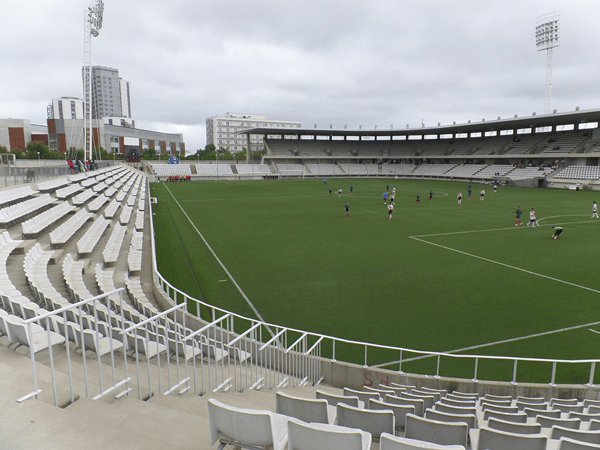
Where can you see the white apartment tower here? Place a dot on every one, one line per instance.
(221, 131)
(111, 95)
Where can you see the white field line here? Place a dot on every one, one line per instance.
(503, 341)
(221, 263)
(417, 238)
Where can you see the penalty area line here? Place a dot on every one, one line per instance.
(506, 265)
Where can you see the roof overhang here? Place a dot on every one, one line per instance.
(516, 123)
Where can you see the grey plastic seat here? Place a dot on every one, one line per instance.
(319, 436)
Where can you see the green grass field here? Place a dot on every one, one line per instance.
(438, 277)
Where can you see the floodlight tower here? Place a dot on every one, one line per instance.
(547, 37)
(93, 24)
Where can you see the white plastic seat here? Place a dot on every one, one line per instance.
(400, 411)
(514, 427)
(306, 409)
(389, 442)
(99, 344)
(549, 422)
(40, 339)
(591, 437)
(510, 417)
(469, 419)
(320, 436)
(373, 421)
(572, 444)
(443, 433)
(490, 439)
(362, 395)
(417, 403)
(250, 427)
(333, 399)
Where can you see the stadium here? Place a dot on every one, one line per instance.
(225, 305)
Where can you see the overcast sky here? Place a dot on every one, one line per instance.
(338, 62)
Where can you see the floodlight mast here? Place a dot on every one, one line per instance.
(547, 37)
(93, 23)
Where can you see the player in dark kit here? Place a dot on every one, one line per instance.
(557, 231)
(347, 208)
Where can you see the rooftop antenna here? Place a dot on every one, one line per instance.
(93, 23)
(547, 37)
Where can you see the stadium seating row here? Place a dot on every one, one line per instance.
(354, 419)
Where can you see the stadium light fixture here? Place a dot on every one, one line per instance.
(547, 37)
(94, 16)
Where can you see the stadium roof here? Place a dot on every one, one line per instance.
(515, 123)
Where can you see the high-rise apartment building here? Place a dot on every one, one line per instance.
(111, 95)
(221, 131)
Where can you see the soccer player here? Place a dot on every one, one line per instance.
(594, 210)
(482, 194)
(392, 198)
(418, 200)
(325, 180)
(351, 189)
(339, 192)
(330, 192)
(470, 190)
(347, 208)
(385, 197)
(390, 210)
(430, 196)
(459, 198)
(557, 231)
(532, 218)
(519, 214)
(393, 190)
(495, 188)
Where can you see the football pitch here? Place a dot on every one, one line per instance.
(438, 277)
